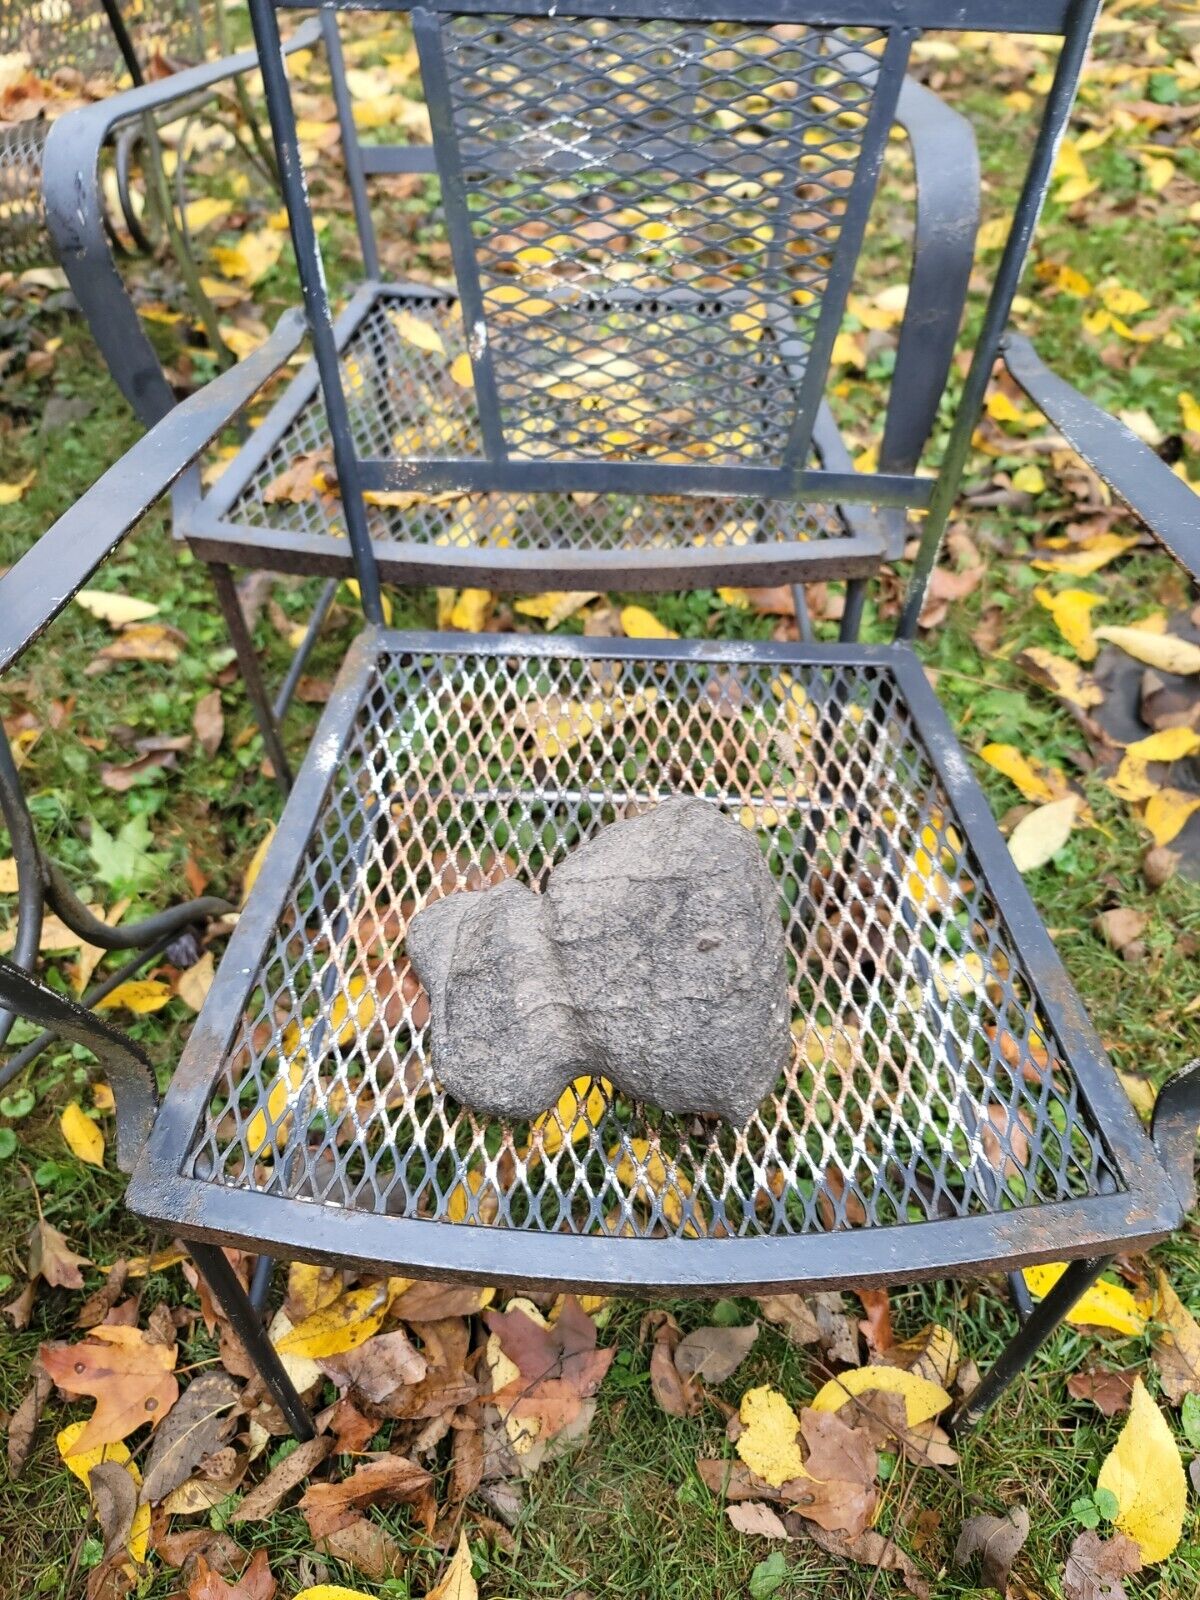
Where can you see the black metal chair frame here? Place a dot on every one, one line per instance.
(426, 736)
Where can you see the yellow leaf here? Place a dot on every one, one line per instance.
(1029, 480)
(192, 985)
(470, 610)
(461, 371)
(1189, 407)
(332, 1591)
(1167, 812)
(993, 235)
(311, 1288)
(81, 1463)
(115, 609)
(249, 261)
(643, 1173)
(734, 597)
(417, 331)
(385, 602)
(1035, 779)
(10, 493)
(1064, 678)
(1159, 172)
(256, 860)
(82, 1135)
(259, 1129)
(458, 1584)
(349, 1321)
(1121, 301)
(1163, 651)
(1001, 409)
(1169, 744)
(202, 213)
(580, 1108)
(556, 605)
(923, 1398)
(768, 1441)
(1071, 610)
(1143, 1470)
(638, 623)
(139, 995)
(1038, 837)
(1087, 558)
(1104, 1305)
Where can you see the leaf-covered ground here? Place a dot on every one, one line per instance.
(623, 1449)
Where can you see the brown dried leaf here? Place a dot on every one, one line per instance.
(96, 1307)
(197, 1426)
(208, 721)
(1121, 926)
(435, 1302)
(51, 1258)
(558, 1366)
(22, 1428)
(1107, 1388)
(869, 1548)
(1095, 1567)
(793, 1314)
(256, 1583)
(997, 1541)
(713, 1353)
(676, 1395)
(876, 1326)
(754, 1518)
(132, 1380)
(363, 1544)
(378, 1367)
(114, 1499)
(327, 1506)
(1177, 1346)
(268, 1496)
(839, 1492)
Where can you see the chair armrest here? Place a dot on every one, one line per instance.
(946, 164)
(74, 208)
(43, 581)
(1168, 507)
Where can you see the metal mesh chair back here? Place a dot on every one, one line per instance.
(654, 224)
(22, 216)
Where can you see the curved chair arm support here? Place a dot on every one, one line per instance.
(44, 580)
(1168, 507)
(946, 162)
(1173, 1129)
(130, 1074)
(75, 218)
(134, 935)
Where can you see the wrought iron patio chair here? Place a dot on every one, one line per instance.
(947, 1099)
(499, 536)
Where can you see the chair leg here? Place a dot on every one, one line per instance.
(227, 1290)
(856, 594)
(1028, 1339)
(243, 645)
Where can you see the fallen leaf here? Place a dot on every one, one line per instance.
(997, 1541)
(1072, 612)
(1036, 780)
(933, 1353)
(922, 1398)
(793, 1314)
(197, 1425)
(194, 982)
(13, 491)
(558, 1366)
(118, 610)
(384, 1477)
(714, 1354)
(266, 1497)
(1177, 1346)
(554, 607)
(421, 1301)
(148, 641)
(256, 1583)
(1104, 1305)
(458, 1584)
(638, 623)
(1163, 651)
(254, 867)
(470, 610)
(139, 995)
(251, 259)
(1038, 837)
(1167, 813)
(1088, 556)
(1121, 926)
(132, 1380)
(769, 1440)
(84, 1138)
(366, 1546)
(208, 722)
(838, 1489)
(51, 1258)
(756, 1520)
(1064, 678)
(418, 331)
(869, 1548)
(1107, 1388)
(115, 1500)
(1095, 1567)
(377, 1368)
(678, 1396)
(83, 1462)
(1144, 1471)
(349, 1321)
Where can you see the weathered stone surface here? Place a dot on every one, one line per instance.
(654, 958)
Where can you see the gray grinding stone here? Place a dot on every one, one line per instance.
(654, 958)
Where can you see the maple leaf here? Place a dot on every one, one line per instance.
(256, 1583)
(559, 1365)
(132, 1380)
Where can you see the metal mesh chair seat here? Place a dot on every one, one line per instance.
(941, 1074)
(23, 238)
(409, 386)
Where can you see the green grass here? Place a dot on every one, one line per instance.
(625, 1515)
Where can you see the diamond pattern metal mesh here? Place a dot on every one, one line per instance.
(77, 34)
(924, 1081)
(404, 398)
(24, 241)
(655, 209)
